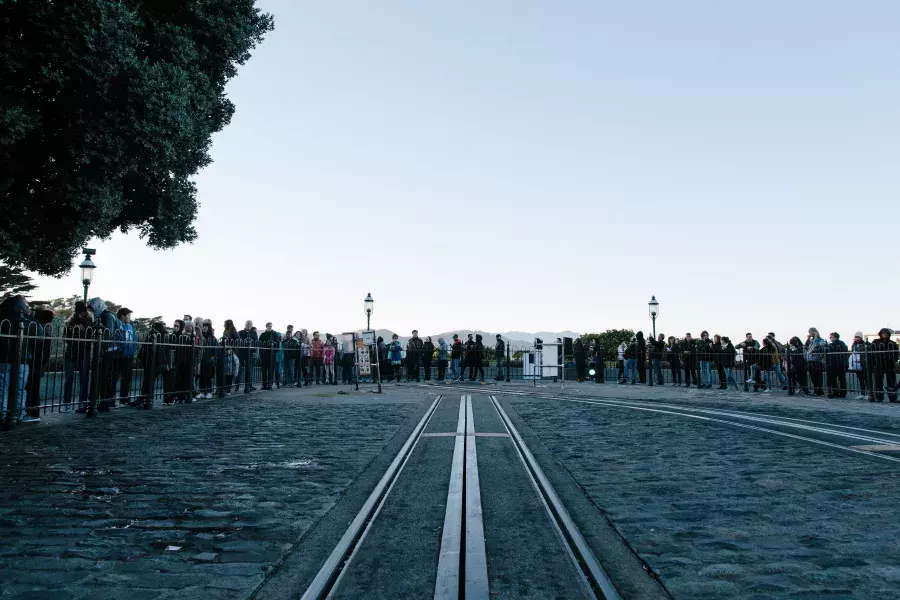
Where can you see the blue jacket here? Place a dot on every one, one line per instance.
(443, 349)
(129, 346)
(396, 350)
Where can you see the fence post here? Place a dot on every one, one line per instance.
(508, 362)
(151, 366)
(12, 399)
(95, 374)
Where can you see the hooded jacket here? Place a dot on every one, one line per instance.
(395, 350)
(500, 348)
(816, 348)
(443, 349)
(883, 353)
(837, 356)
(456, 350)
(478, 349)
(641, 346)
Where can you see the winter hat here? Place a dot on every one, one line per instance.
(858, 334)
(455, 336)
(80, 306)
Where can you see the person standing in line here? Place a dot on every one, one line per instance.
(395, 350)
(689, 352)
(779, 349)
(316, 356)
(182, 361)
(725, 353)
(797, 373)
(443, 352)
(328, 358)
(476, 362)
(209, 358)
(248, 342)
(77, 355)
(631, 361)
(231, 339)
(154, 362)
(765, 360)
(657, 351)
(816, 347)
(304, 359)
(883, 357)
(641, 357)
(42, 333)
(621, 353)
(129, 349)
(414, 349)
(456, 350)
(857, 363)
(427, 357)
(288, 347)
(384, 371)
(468, 357)
(500, 356)
(749, 349)
(704, 355)
(837, 361)
(580, 360)
(673, 353)
(267, 341)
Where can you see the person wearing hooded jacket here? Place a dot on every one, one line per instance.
(443, 353)
(796, 356)
(427, 357)
(883, 355)
(641, 357)
(500, 356)
(110, 355)
(77, 355)
(857, 363)
(689, 359)
(816, 348)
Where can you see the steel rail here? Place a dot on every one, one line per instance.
(335, 565)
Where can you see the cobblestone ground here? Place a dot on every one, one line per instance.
(194, 501)
(725, 513)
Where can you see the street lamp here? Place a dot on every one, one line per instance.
(87, 267)
(370, 305)
(654, 312)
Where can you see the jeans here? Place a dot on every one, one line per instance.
(706, 372)
(454, 368)
(83, 367)
(780, 374)
(630, 367)
(657, 370)
(5, 380)
(288, 371)
(500, 368)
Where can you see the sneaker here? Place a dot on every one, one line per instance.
(751, 381)
(199, 396)
(767, 391)
(208, 396)
(861, 397)
(28, 419)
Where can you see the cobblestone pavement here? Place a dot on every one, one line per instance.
(193, 501)
(720, 512)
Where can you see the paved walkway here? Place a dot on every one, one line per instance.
(192, 501)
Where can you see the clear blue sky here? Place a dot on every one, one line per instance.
(740, 160)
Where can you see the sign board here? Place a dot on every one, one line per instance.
(362, 359)
(368, 338)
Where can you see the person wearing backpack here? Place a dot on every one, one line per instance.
(129, 349)
(110, 356)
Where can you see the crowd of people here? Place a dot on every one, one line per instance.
(188, 361)
(812, 366)
(418, 358)
(103, 358)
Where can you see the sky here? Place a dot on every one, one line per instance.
(521, 165)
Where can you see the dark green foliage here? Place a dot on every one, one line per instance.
(14, 282)
(106, 112)
(611, 338)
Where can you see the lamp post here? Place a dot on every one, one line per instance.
(369, 304)
(654, 312)
(87, 267)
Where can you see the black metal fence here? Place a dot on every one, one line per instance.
(87, 370)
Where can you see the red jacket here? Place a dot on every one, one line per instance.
(317, 349)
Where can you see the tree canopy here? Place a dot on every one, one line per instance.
(107, 108)
(13, 281)
(611, 338)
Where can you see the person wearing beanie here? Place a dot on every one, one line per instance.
(883, 356)
(859, 354)
(704, 355)
(836, 367)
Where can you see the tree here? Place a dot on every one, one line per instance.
(611, 338)
(13, 281)
(142, 324)
(106, 112)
